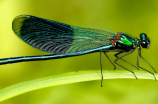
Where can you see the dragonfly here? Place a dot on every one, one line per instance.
(63, 40)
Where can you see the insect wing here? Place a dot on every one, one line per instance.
(59, 38)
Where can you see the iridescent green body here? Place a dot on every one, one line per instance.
(126, 40)
(63, 40)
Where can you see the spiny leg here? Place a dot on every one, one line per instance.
(110, 60)
(116, 55)
(115, 61)
(139, 55)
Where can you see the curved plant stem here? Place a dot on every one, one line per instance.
(67, 78)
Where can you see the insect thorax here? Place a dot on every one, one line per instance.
(125, 42)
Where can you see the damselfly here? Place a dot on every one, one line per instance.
(64, 40)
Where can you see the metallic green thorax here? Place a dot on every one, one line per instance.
(125, 42)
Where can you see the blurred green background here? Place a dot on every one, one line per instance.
(129, 16)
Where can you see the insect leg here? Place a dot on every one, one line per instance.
(139, 55)
(116, 55)
(115, 61)
(101, 69)
(110, 60)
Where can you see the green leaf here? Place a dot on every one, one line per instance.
(67, 78)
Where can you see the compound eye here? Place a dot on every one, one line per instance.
(143, 36)
(144, 44)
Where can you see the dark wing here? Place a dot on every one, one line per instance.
(58, 38)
